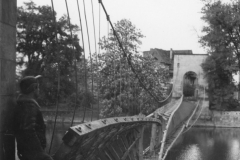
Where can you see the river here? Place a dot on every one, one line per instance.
(196, 144)
(207, 144)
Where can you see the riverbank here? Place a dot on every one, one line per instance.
(213, 118)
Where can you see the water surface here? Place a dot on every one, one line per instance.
(207, 144)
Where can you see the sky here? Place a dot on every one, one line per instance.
(165, 24)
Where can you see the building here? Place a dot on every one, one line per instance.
(185, 68)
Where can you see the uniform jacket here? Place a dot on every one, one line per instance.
(29, 127)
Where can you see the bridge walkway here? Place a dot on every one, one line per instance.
(176, 117)
(182, 127)
(166, 110)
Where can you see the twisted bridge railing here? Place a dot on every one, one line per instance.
(111, 138)
(125, 138)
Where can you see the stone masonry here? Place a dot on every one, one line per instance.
(7, 75)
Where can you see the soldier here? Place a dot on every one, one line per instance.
(28, 122)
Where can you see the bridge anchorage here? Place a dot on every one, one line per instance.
(124, 138)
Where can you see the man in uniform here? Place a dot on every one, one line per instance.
(28, 122)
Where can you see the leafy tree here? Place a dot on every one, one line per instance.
(40, 53)
(120, 90)
(222, 39)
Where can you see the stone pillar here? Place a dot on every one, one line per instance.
(8, 16)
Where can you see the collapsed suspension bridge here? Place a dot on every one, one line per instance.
(124, 137)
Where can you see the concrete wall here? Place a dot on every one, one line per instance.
(7, 75)
(184, 64)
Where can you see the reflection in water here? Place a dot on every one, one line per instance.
(207, 144)
(233, 152)
(192, 152)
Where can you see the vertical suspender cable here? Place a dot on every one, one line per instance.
(94, 28)
(75, 64)
(95, 47)
(85, 70)
(58, 88)
(90, 54)
(120, 85)
(109, 72)
(88, 41)
(108, 29)
(98, 59)
(115, 82)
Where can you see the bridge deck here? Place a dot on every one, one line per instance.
(176, 118)
(167, 109)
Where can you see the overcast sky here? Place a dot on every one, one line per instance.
(166, 24)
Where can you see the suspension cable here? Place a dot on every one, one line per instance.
(98, 79)
(120, 85)
(83, 45)
(128, 57)
(90, 53)
(85, 70)
(58, 88)
(94, 28)
(114, 84)
(75, 64)
(95, 45)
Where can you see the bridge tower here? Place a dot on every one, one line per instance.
(8, 18)
(185, 64)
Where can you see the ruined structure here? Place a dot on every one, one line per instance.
(97, 139)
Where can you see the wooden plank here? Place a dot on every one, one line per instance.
(153, 138)
(108, 155)
(129, 149)
(125, 144)
(131, 138)
(119, 146)
(109, 136)
(102, 155)
(134, 150)
(114, 151)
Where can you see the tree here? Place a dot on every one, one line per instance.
(120, 90)
(41, 53)
(222, 39)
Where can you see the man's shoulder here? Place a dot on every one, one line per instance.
(27, 102)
